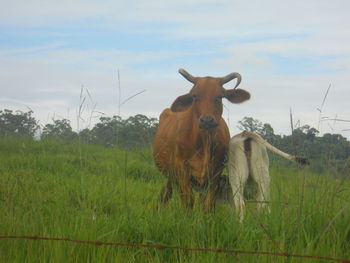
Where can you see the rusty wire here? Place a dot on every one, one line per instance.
(158, 246)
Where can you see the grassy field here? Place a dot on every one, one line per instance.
(95, 193)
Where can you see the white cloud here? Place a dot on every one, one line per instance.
(297, 14)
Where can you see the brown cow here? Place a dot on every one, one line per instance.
(192, 139)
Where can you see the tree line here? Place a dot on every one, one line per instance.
(329, 151)
(135, 131)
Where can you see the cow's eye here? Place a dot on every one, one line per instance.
(195, 97)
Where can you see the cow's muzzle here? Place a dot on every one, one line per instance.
(207, 123)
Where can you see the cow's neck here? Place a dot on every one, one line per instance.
(207, 140)
(201, 161)
(202, 139)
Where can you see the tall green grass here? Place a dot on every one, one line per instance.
(94, 193)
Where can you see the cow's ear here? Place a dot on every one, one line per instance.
(182, 102)
(237, 95)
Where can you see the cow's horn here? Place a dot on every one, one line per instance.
(187, 76)
(230, 77)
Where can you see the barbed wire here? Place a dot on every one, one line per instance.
(158, 246)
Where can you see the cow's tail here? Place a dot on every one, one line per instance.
(259, 139)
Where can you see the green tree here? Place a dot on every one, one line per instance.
(135, 131)
(107, 131)
(17, 124)
(138, 130)
(86, 136)
(267, 133)
(250, 124)
(309, 132)
(60, 130)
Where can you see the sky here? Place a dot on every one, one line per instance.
(61, 58)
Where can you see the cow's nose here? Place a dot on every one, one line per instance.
(207, 122)
(207, 119)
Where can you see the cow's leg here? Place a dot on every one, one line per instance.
(238, 175)
(259, 170)
(210, 197)
(186, 193)
(166, 192)
(184, 185)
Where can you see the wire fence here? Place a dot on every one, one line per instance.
(158, 246)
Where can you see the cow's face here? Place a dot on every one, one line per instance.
(205, 98)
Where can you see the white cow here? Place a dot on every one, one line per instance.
(248, 157)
